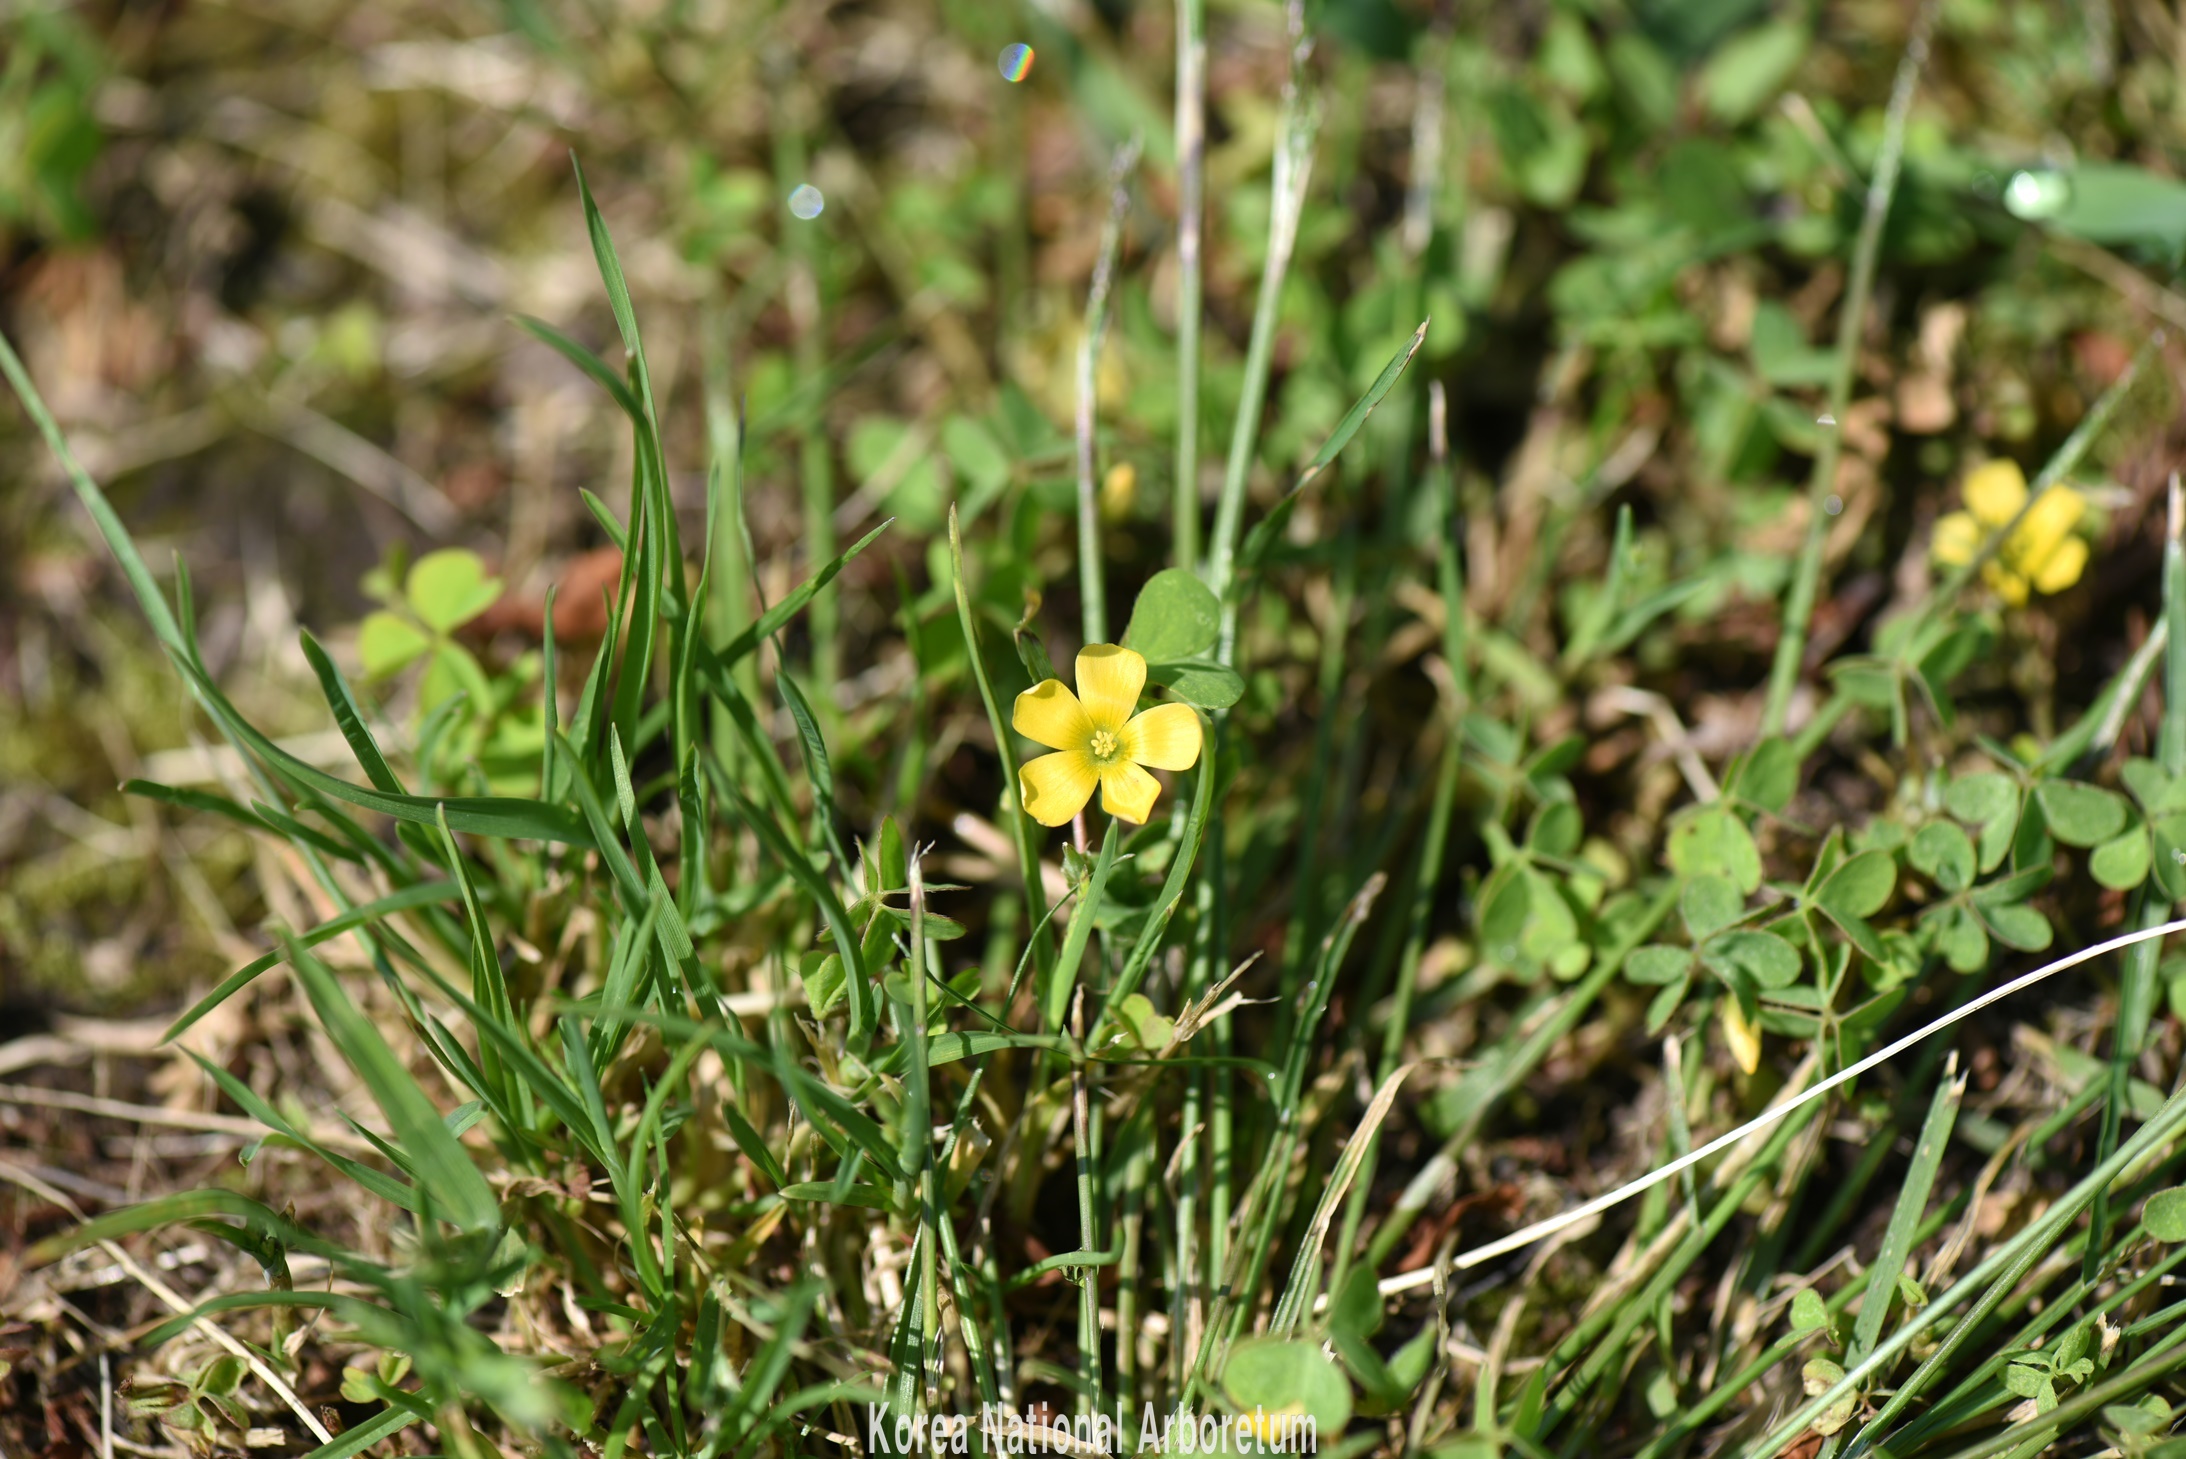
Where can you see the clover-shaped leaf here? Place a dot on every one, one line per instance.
(1715, 842)
(386, 642)
(1859, 888)
(1944, 854)
(1708, 904)
(2157, 792)
(2168, 863)
(1143, 1025)
(1764, 957)
(1176, 617)
(2018, 925)
(2122, 862)
(2081, 815)
(2138, 1420)
(1990, 801)
(1658, 964)
(1817, 1377)
(1767, 777)
(1960, 938)
(1202, 683)
(448, 588)
(1288, 1377)
(1665, 1003)
(2165, 1214)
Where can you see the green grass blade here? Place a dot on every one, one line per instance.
(595, 368)
(792, 859)
(103, 515)
(771, 621)
(1269, 529)
(348, 717)
(460, 1193)
(383, 1425)
(1905, 1216)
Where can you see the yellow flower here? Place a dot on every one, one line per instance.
(1099, 741)
(1119, 489)
(1743, 1037)
(2042, 552)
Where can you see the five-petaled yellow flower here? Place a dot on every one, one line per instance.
(2042, 552)
(1099, 741)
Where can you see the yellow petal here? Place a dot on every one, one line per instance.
(1995, 491)
(1050, 714)
(1743, 1037)
(1109, 681)
(1957, 538)
(2064, 566)
(2048, 522)
(1128, 792)
(1119, 491)
(2009, 586)
(1056, 787)
(1165, 737)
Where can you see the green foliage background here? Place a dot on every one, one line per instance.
(565, 874)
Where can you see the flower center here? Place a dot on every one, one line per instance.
(1106, 747)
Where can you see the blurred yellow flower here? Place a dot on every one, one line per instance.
(1743, 1037)
(1119, 491)
(2041, 554)
(1099, 741)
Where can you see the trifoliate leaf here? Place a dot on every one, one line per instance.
(1768, 777)
(1959, 937)
(1176, 617)
(1819, 1375)
(822, 975)
(1708, 904)
(2018, 926)
(448, 588)
(2165, 1214)
(1664, 1005)
(1714, 841)
(1202, 683)
(1143, 1026)
(2081, 815)
(1944, 854)
(1809, 1312)
(1764, 957)
(2168, 863)
(1980, 799)
(1658, 964)
(1860, 887)
(387, 642)
(1275, 1377)
(2122, 862)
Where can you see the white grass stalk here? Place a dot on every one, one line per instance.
(1542, 1230)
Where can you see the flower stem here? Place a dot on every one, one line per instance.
(1806, 578)
(1191, 148)
(1092, 592)
(1064, 978)
(1293, 167)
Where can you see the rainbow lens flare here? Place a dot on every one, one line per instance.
(1015, 62)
